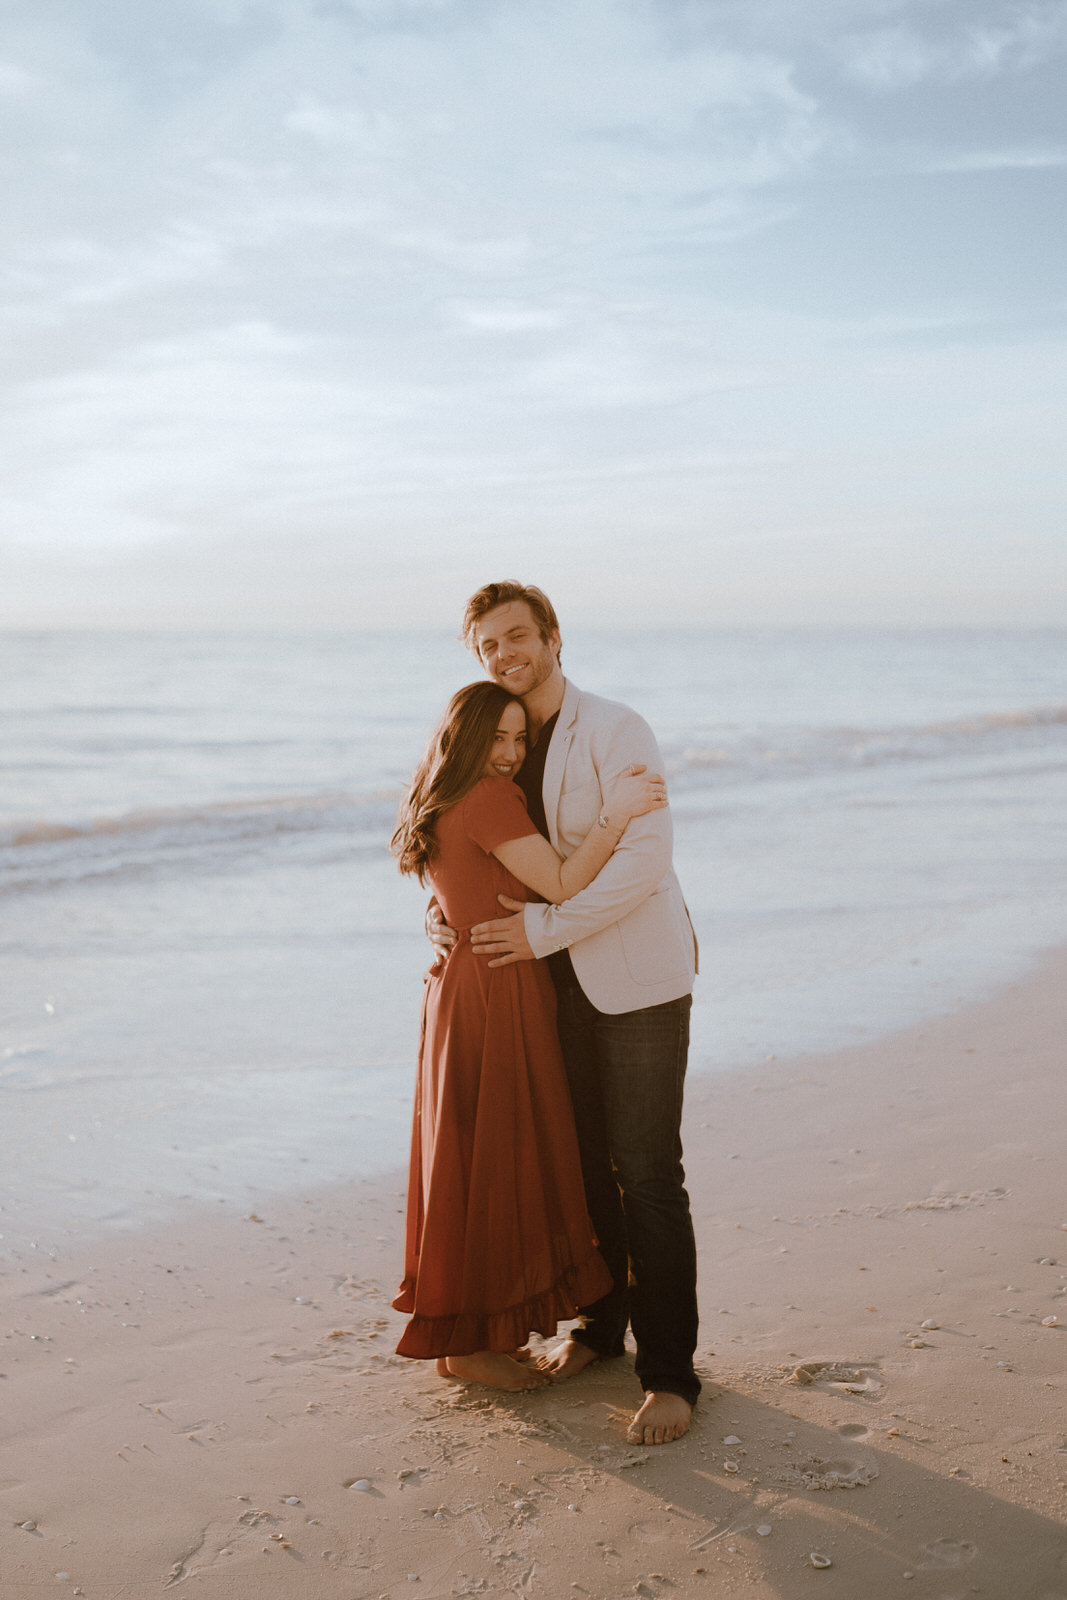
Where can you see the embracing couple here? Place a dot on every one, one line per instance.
(546, 1177)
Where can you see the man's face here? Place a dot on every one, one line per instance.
(512, 651)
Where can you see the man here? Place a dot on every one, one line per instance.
(622, 955)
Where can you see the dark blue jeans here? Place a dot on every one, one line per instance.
(626, 1075)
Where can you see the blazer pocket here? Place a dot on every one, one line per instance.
(652, 940)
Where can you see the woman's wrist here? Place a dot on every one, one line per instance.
(609, 825)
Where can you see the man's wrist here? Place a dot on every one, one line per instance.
(533, 924)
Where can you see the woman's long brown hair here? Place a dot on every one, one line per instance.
(454, 762)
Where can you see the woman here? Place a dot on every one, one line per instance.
(498, 1239)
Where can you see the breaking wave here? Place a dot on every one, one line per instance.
(37, 854)
(742, 757)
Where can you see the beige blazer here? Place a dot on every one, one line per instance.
(628, 932)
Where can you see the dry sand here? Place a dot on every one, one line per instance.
(215, 1409)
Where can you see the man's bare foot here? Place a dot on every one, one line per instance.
(663, 1417)
(494, 1368)
(567, 1360)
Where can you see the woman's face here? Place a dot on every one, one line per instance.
(509, 743)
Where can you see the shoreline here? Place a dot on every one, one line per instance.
(123, 1153)
(886, 1221)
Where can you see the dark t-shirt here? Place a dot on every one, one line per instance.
(531, 775)
(530, 779)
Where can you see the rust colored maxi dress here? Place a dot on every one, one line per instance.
(498, 1239)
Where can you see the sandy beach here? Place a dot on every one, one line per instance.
(215, 1409)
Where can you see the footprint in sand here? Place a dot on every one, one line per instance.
(945, 1554)
(843, 1472)
(819, 1474)
(860, 1378)
(220, 1542)
(853, 1430)
(350, 1288)
(648, 1532)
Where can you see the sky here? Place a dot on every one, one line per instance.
(325, 312)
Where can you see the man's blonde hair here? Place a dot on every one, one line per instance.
(492, 595)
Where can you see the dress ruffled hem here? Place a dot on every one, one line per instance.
(506, 1330)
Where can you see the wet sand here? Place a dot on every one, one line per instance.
(214, 1408)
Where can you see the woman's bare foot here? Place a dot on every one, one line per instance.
(525, 1354)
(494, 1368)
(663, 1417)
(522, 1356)
(567, 1360)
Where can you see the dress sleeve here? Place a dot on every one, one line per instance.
(495, 811)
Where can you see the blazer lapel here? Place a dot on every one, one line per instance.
(558, 751)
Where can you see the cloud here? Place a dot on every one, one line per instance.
(503, 316)
(18, 84)
(272, 149)
(905, 54)
(999, 161)
(338, 278)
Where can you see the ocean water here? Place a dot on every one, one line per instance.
(210, 970)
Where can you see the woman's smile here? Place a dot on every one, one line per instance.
(509, 742)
